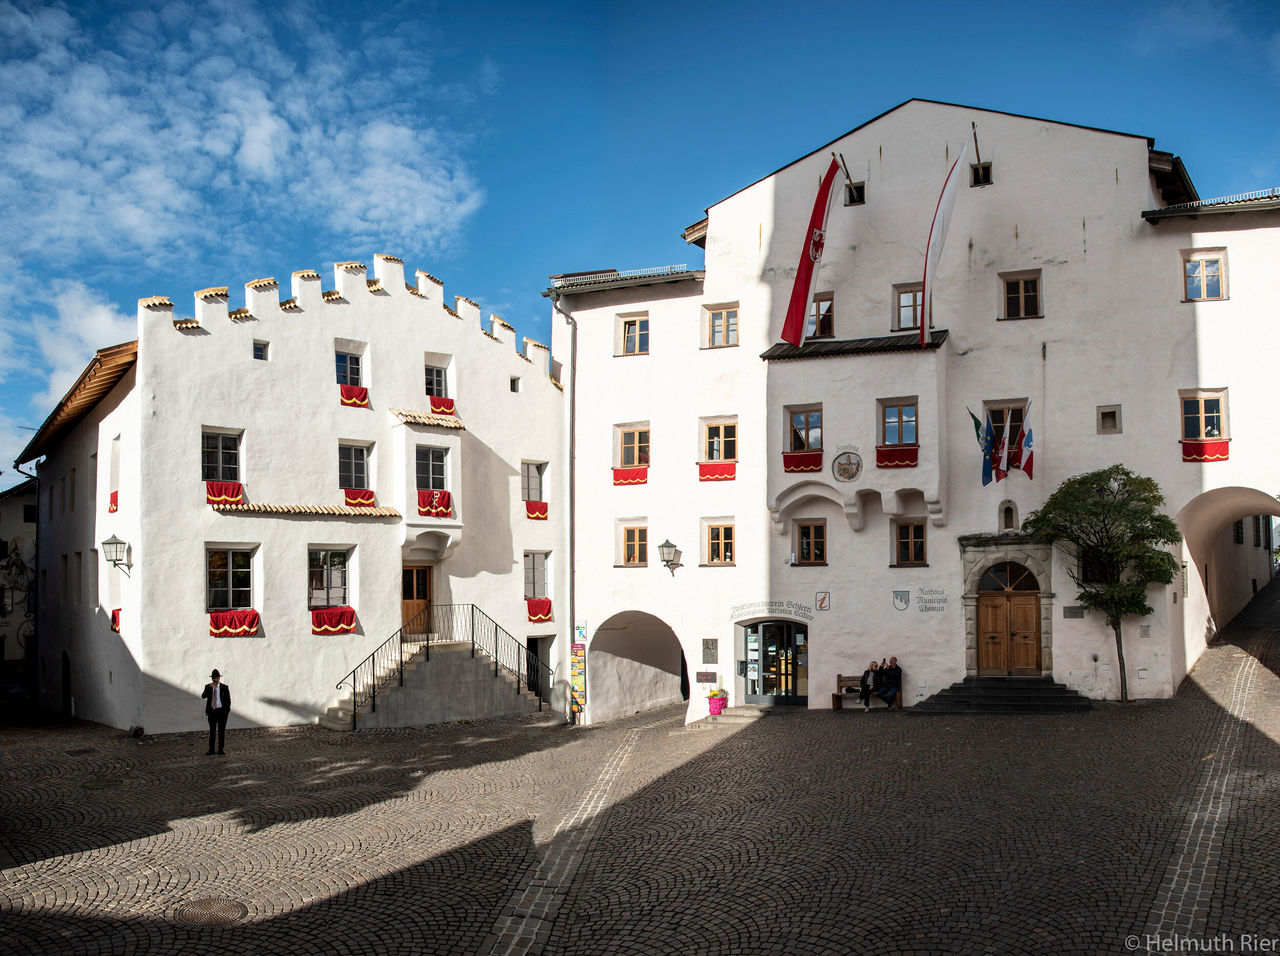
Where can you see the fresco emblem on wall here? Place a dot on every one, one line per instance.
(901, 600)
(846, 466)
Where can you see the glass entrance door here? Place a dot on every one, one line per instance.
(777, 663)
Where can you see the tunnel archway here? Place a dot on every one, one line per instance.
(1227, 571)
(634, 663)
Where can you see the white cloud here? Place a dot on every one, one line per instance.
(82, 322)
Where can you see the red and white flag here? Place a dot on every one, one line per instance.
(814, 239)
(938, 235)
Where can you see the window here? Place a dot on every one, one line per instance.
(326, 578)
(721, 442)
(906, 313)
(805, 429)
(62, 495)
(531, 480)
(1006, 419)
(1008, 520)
(635, 547)
(535, 574)
(348, 368)
(722, 326)
(979, 174)
(811, 542)
(1089, 569)
(635, 448)
(229, 579)
(30, 514)
(220, 457)
(1237, 532)
(1257, 531)
(4, 549)
(1204, 416)
(1109, 422)
(436, 382)
(77, 578)
(822, 314)
(855, 194)
(260, 351)
(635, 335)
(720, 544)
(898, 422)
(352, 472)
(1205, 274)
(1022, 296)
(49, 502)
(430, 469)
(909, 541)
(71, 492)
(515, 383)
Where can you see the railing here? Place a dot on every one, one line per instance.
(1273, 193)
(594, 277)
(445, 624)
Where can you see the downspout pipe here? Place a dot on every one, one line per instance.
(573, 469)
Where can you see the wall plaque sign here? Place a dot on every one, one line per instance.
(846, 466)
(708, 677)
(710, 650)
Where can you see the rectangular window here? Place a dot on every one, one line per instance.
(431, 469)
(1204, 417)
(435, 382)
(804, 429)
(1237, 532)
(1108, 420)
(352, 472)
(348, 368)
(219, 457)
(327, 578)
(228, 579)
(721, 442)
(822, 316)
(71, 490)
(1006, 419)
(635, 448)
(811, 542)
(260, 351)
(1205, 274)
(531, 480)
(720, 544)
(49, 501)
(979, 174)
(635, 546)
(855, 194)
(910, 543)
(1022, 297)
(1257, 531)
(906, 313)
(722, 327)
(30, 514)
(898, 423)
(77, 578)
(635, 336)
(535, 574)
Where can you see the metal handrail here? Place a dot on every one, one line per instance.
(1273, 193)
(568, 281)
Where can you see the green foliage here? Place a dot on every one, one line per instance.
(1111, 520)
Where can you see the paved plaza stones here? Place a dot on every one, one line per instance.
(802, 832)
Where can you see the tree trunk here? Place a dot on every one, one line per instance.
(1124, 683)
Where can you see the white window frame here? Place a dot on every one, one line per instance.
(221, 450)
(532, 478)
(537, 566)
(437, 475)
(231, 550)
(363, 454)
(344, 590)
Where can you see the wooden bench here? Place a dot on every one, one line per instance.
(854, 680)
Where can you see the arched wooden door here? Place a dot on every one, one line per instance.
(1008, 622)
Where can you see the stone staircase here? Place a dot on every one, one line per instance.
(450, 685)
(732, 718)
(1002, 695)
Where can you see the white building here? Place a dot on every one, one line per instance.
(17, 561)
(828, 499)
(291, 482)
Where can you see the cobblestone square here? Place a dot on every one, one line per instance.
(1124, 829)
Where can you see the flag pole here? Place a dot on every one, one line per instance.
(977, 152)
(847, 178)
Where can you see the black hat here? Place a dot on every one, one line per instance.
(215, 673)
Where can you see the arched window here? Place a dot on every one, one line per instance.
(1008, 518)
(1008, 576)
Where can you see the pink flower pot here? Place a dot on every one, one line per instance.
(717, 705)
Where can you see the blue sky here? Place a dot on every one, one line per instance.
(162, 148)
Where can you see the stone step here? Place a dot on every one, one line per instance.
(1003, 695)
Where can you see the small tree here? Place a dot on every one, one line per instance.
(1113, 523)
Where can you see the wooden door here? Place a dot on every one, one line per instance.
(415, 596)
(1024, 635)
(993, 635)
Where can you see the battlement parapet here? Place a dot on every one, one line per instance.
(257, 285)
(211, 305)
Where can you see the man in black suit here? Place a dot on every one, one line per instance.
(217, 707)
(890, 690)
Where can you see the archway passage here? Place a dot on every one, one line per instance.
(634, 663)
(1227, 533)
(1008, 622)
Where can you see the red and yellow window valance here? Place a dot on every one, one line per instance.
(802, 460)
(630, 476)
(1205, 449)
(114, 504)
(354, 395)
(223, 493)
(333, 620)
(537, 510)
(717, 470)
(435, 504)
(358, 497)
(898, 456)
(115, 620)
(238, 623)
(539, 609)
(441, 405)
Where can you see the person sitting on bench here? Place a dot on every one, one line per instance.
(869, 684)
(890, 682)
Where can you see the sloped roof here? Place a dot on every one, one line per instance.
(830, 348)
